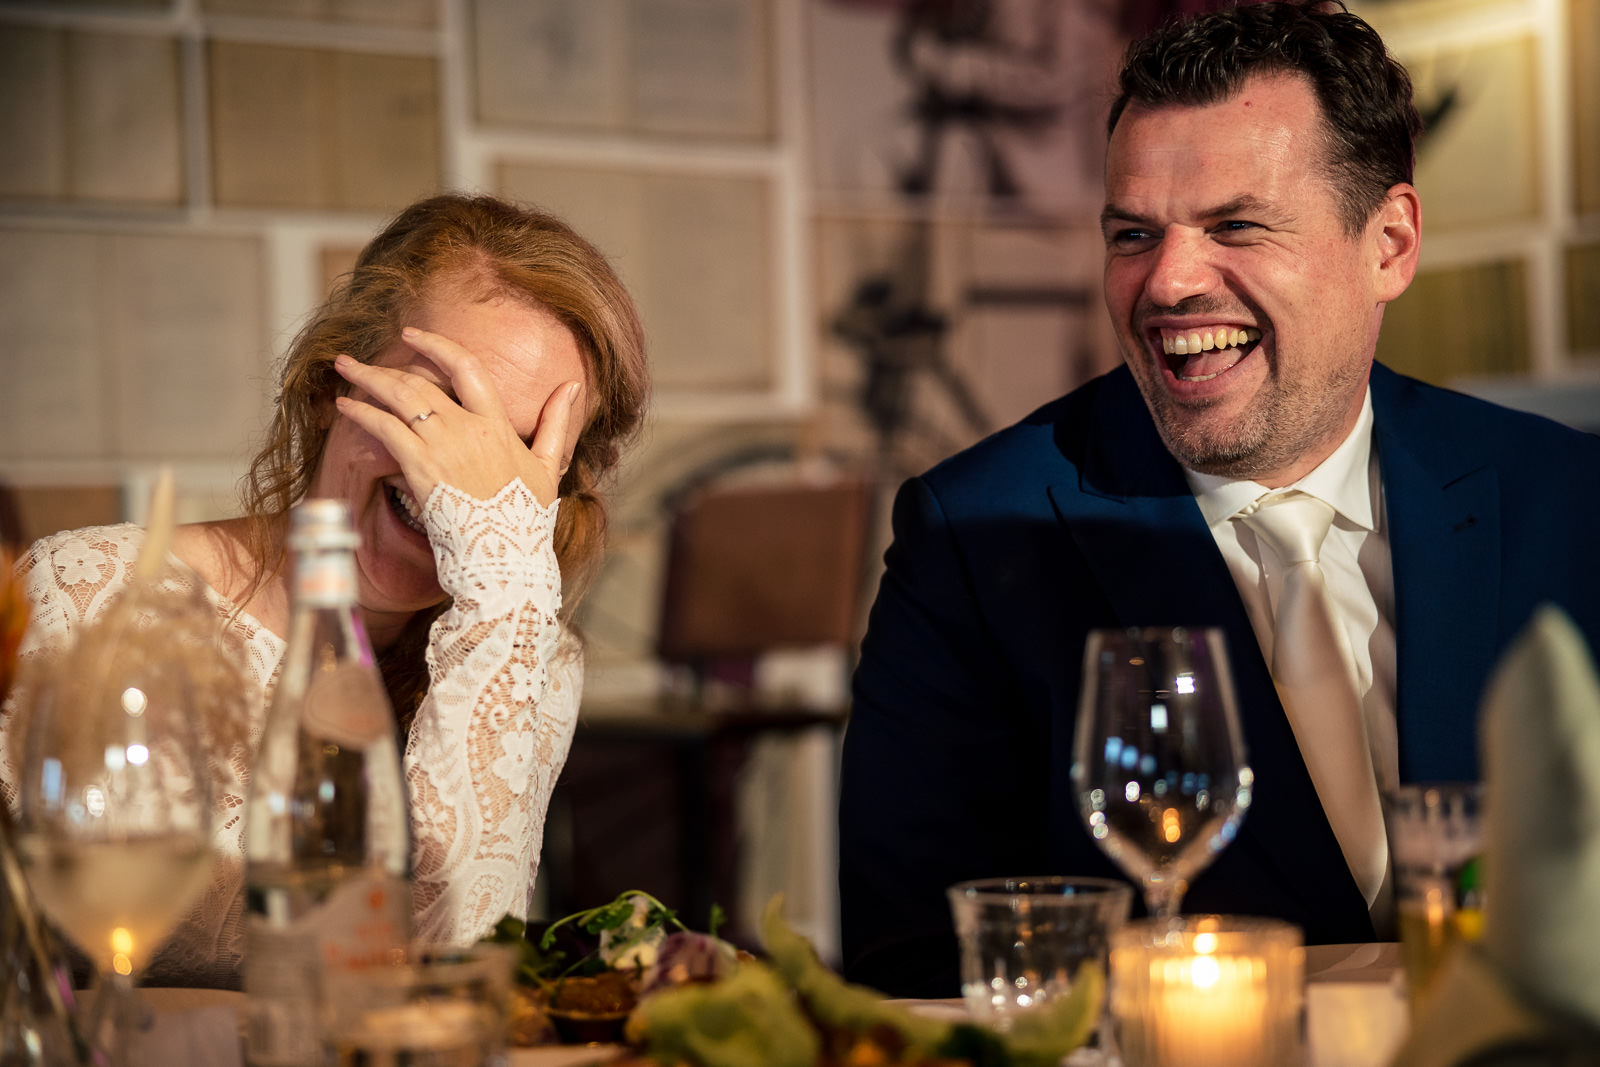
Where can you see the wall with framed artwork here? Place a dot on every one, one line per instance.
(861, 232)
(1506, 299)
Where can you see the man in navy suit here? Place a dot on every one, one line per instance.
(1259, 216)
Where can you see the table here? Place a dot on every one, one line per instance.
(1356, 1016)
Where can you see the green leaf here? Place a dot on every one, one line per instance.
(717, 919)
(833, 1002)
(609, 916)
(979, 1046)
(749, 1019)
(508, 931)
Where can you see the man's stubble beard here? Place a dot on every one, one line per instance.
(1274, 433)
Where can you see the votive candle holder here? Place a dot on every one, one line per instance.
(1208, 991)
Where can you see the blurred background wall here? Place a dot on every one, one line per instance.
(862, 233)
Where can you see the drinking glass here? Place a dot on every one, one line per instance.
(114, 827)
(1158, 758)
(1435, 840)
(1023, 940)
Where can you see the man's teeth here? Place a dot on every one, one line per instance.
(1196, 341)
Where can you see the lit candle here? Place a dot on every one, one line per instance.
(1212, 991)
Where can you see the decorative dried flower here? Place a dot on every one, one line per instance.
(13, 621)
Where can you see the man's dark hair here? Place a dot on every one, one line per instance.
(1370, 122)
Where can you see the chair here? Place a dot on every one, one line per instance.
(758, 566)
(663, 796)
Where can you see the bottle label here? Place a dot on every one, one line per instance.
(363, 951)
(346, 705)
(364, 923)
(325, 579)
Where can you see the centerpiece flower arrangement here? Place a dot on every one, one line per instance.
(36, 1000)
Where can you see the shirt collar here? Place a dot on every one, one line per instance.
(1343, 480)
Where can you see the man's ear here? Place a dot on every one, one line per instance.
(1397, 231)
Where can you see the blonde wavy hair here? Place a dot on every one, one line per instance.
(504, 250)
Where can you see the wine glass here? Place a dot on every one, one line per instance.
(1158, 760)
(114, 827)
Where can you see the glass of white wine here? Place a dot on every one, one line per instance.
(1158, 761)
(114, 827)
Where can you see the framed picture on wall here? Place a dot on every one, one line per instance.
(698, 68)
(998, 106)
(696, 251)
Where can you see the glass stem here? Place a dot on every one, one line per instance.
(1162, 897)
(116, 1015)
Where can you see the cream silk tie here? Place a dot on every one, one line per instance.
(1311, 666)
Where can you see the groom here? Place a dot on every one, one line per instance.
(1259, 216)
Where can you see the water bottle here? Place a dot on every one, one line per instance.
(327, 832)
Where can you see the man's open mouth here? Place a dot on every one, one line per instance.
(405, 508)
(1199, 354)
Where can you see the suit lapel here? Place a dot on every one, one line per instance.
(1443, 510)
(1135, 520)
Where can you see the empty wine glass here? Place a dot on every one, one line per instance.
(1158, 759)
(114, 827)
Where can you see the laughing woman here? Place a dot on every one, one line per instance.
(466, 390)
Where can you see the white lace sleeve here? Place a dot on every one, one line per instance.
(493, 732)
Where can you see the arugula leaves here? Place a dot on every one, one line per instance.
(615, 915)
(561, 952)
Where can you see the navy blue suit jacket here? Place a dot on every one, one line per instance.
(957, 753)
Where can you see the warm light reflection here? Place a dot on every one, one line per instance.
(1205, 972)
(122, 940)
(134, 701)
(1205, 943)
(1171, 827)
(122, 964)
(138, 755)
(94, 800)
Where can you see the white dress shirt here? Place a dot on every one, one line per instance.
(1355, 561)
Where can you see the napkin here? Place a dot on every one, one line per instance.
(1533, 982)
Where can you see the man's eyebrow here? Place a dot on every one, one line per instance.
(1113, 213)
(1239, 205)
(1245, 204)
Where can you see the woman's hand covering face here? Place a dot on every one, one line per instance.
(467, 439)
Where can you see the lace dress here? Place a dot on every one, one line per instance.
(484, 748)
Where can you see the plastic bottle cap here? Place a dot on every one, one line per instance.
(322, 524)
